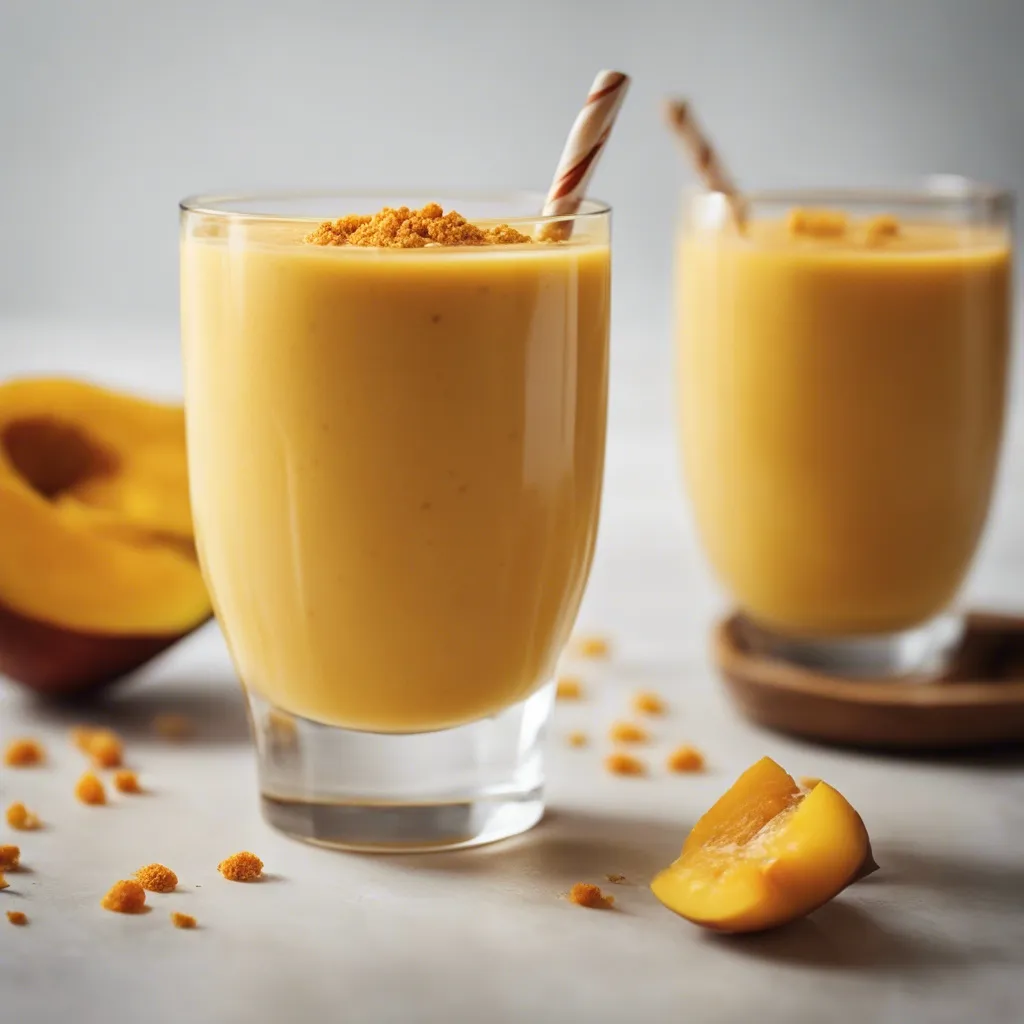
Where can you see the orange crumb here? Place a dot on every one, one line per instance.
(90, 790)
(881, 228)
(403, 228)
(576, 739)
(172, 726)
(81, 735)
(126, 781)
(624, 764)
(816, 223)
(627, 732)
(23, 753)
(808, 781)
(616, 879)
(21, 818)
(180, 920)
(4, 884)
(241, 867)
(10, 856)
(17, 917)
(568, 688)
(583, 894)
(157, 878)
(592, 646)
(685, 759)
(125, 897)
(648, 703)
(105, 748)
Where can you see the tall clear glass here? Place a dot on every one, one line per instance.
(841, 378)
(396, 459)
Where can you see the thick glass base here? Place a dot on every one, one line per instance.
(378, 792)
(924, 651)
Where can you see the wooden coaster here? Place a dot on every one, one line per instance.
(978, 702)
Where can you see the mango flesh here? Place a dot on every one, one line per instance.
(97, 562)
(765, 854)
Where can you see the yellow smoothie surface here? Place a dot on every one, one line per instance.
(396, 454)
(841, 393)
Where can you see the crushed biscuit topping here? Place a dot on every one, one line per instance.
(816, 223)
(403, 228)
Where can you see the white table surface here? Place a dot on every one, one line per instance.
(483, 935)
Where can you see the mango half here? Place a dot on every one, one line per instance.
(766, 854)
(98, 571)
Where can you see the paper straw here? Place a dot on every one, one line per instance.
(705, 159)
(582, 150)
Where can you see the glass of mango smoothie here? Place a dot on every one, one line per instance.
(841, 378)
(396, 429)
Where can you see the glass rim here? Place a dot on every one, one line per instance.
(933, 190)
(217, 204)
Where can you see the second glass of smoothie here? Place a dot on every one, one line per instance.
(842, 374)
(396, 452)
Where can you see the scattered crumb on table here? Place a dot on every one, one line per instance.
(619, 763)
(584, 894)
(685, 759)
(21, 818)
(157, 878)
(24, 752)
(180, 920)
(172, 726)
(616, 879)
(17, 917)
(646, 702)
(90, 790)
(10, 856)
(126, 781)
(125, 897)
(569, 688)
(576, 739)
(592, 645)
(627, 732)
(241, 867)
(105, 748)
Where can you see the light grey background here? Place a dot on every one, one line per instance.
(111, 111)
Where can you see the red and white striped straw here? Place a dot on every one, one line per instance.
(582, 150)
(706, 161)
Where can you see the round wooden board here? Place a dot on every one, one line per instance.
(979, 702)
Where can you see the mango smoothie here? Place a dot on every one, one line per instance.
(396, 458)
(841, 395)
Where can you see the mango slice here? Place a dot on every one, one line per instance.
(766, 854)
(98, 570)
